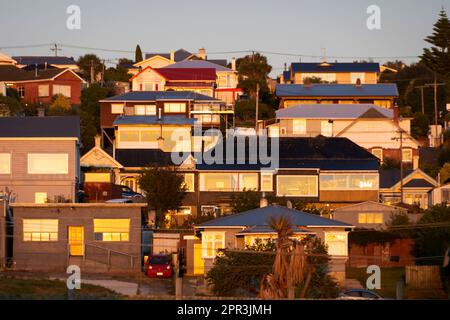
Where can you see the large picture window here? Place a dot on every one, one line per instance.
(297, 186)
(117, 108)
(228, 181)
(145, 110)
(299, 126)
(48, 163)
(5, 163)
(40, 229)
(174, 107)
(348, 181)
(109, 230)
(370, 218)
(62, 89)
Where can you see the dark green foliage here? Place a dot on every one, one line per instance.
(363, 237)
(432, 241)
(85, 62)
(397, 221)
(164, 189)
(90, 114)
(253, 69)
(419, 125)
(138, 54)
(238, 273)
(322, 285)
(244, 201)
(390, 163)
(246, 109)
(10, 106)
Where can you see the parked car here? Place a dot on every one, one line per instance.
(159, 265)
(359, 294)
(127, 192)
(119, 201)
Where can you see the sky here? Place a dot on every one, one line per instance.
(284, 30)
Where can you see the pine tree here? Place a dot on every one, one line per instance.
(138, 54)
(437, 58)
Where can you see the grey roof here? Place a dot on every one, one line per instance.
(334, 111)
(335, 67)
(137, 158)
(390, 177)
(12, 73)
(160, 95)
(179, 55)
(260, 217)
(222, 62)
(40, 127)
(197, 64)
(337, 90)
(180, 120)
(32, 60)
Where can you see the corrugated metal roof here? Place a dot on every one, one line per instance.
(267, 229)
(261, 216)
(337, 90)
(199, 64)
(161, 95)
(180, 120)
(335, 67)
(37, 127)
(179, 55)
(331, 111)
(32, 60)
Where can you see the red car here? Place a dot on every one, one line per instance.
(159, 266)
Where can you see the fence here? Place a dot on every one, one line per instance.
(111, 258)
(422, 277)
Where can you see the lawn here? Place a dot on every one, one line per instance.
(389, 278)
(32, 289)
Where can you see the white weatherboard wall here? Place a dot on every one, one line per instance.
(165, 242)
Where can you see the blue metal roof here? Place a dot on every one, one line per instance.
(179, 120)
(160, 95)
(287, 75)
(335, 67)
(332, 111)
(261, 216)
(40, 60)
(267, 229)
(337, 90)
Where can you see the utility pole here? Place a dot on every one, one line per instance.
(401, 165)
(422, 98)
(55, 49)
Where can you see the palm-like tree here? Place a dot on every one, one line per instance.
(289, 268)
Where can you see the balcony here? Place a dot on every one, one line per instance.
(212, 109)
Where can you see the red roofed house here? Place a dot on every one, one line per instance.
(200, 80)
(41, 85)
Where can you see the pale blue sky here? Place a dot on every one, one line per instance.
(285, 26)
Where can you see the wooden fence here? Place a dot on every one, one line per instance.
(422, 277)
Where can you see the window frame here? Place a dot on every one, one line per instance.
(316, 177)
(266, 174)
(214, 248)
(47, 86)
(64, 87)
(295, 126)
(117, 105)
(111, 233)
(41, 223)
(66, 171)
(168, 107)
(410, 151)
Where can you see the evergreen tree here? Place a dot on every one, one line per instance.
(138, 54)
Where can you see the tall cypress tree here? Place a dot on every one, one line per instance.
(138, 54)
(437, 58)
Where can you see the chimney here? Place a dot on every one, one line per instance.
(358, 82)
(415, 162)
(46, 65)
(395, 114)
(36, 71)
(289, 204)
(41, 112)
(172, 56)
(263, 202)
(202, 53)
(233, 64)
(98, 140)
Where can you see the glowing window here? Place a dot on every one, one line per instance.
(299, 126)
(297, 186)
(117, 108)
(174, 107)
(40, 229)
(109, 230)
(211, 242)
(267, 181)
(189, 182)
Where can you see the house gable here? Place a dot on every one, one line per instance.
(98, 158)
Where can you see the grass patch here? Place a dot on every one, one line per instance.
(41, 289)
